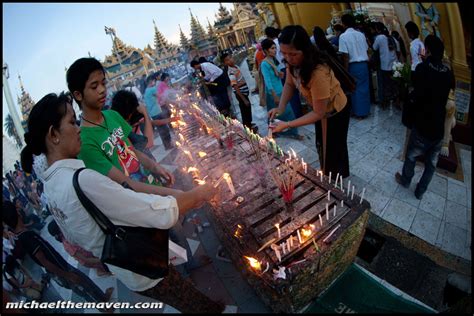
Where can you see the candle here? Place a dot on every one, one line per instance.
(299, 236)
(349, 188)
(320, 220)
(283, 247)
(277, 252)
(291, 240)
(329, 195)
(228, 179)
(305, 166)
(288, 244)
(321, 172)
(337, 180)
(342, 185)
(352, 196)
(254, 263)
(188, 154)
(331, 233)
(342, 203)
(278, 229)
(330, 176)
(327, 212)
(334, 212)
(362, 197)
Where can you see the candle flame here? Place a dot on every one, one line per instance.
(312, 226)
(239, 226)
(254, 263)
(178, 144)
(174, 124)
(200, 182)
(226, 176)
(181, 137)
(306, 232)
(277, 226)
(202, 154)
(192, 169)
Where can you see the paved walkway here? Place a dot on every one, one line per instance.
(442, 217)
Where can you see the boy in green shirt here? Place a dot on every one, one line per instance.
(104, 134)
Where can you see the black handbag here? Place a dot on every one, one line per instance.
(139, 249)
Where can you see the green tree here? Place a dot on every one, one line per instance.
(11, 130)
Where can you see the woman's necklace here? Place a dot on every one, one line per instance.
(104, 127)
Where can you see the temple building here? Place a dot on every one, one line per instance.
(200, 44)
(240, 27)
(126, 62)
(164, 54)
(26, 103)
(450, 21)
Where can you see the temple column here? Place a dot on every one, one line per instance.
(460, 66)
(295, 15)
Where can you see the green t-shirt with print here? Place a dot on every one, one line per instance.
(107, 146)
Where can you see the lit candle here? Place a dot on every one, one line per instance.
(330, 176)
(362, 196)
(331, 233)
(329, 195)
(188, 154)
(181, 137)
(353, 189)
(334, 212)
(228, 179)
(305, 166)
(349, 188)
(278, 229)
(299, 236)
(320, 220)
(254, 263)
(321, 172)
(202, 154)
(327, 212)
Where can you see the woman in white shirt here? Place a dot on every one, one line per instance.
(52, 130)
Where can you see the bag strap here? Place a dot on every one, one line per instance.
(104, 223)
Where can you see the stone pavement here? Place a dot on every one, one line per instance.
(442, 218)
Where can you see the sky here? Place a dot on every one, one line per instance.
(41, 39)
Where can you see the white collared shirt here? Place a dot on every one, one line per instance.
(417, 49)
(387, 56)
(122, 206)
(211, 71)
(354, 44)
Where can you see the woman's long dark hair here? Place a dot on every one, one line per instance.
(47, 112)
(322, 42)
(296, 36)
(266, 45)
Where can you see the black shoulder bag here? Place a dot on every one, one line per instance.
(139, 249)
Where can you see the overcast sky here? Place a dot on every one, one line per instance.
(41, 39)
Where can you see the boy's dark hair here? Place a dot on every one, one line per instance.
(338, 28)
(164, 76)
(10, 216)
(194, 63)
(348, 20)
(412, 29)
(47, 112)
(125, 103)
(435, 46)
(271, 32)
(224, 55)
(78, 74)
(55, 231)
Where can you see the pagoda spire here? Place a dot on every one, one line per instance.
(211, 32)
(197, 32)
(182, 38)
(160, 41)
(26, 104)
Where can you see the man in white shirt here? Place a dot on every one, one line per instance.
(353, 46)
(217, 82)
(417, 48)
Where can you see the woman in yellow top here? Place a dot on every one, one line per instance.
(310, 73)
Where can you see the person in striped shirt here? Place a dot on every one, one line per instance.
(240, 88)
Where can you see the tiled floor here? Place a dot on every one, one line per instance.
(442, 217)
